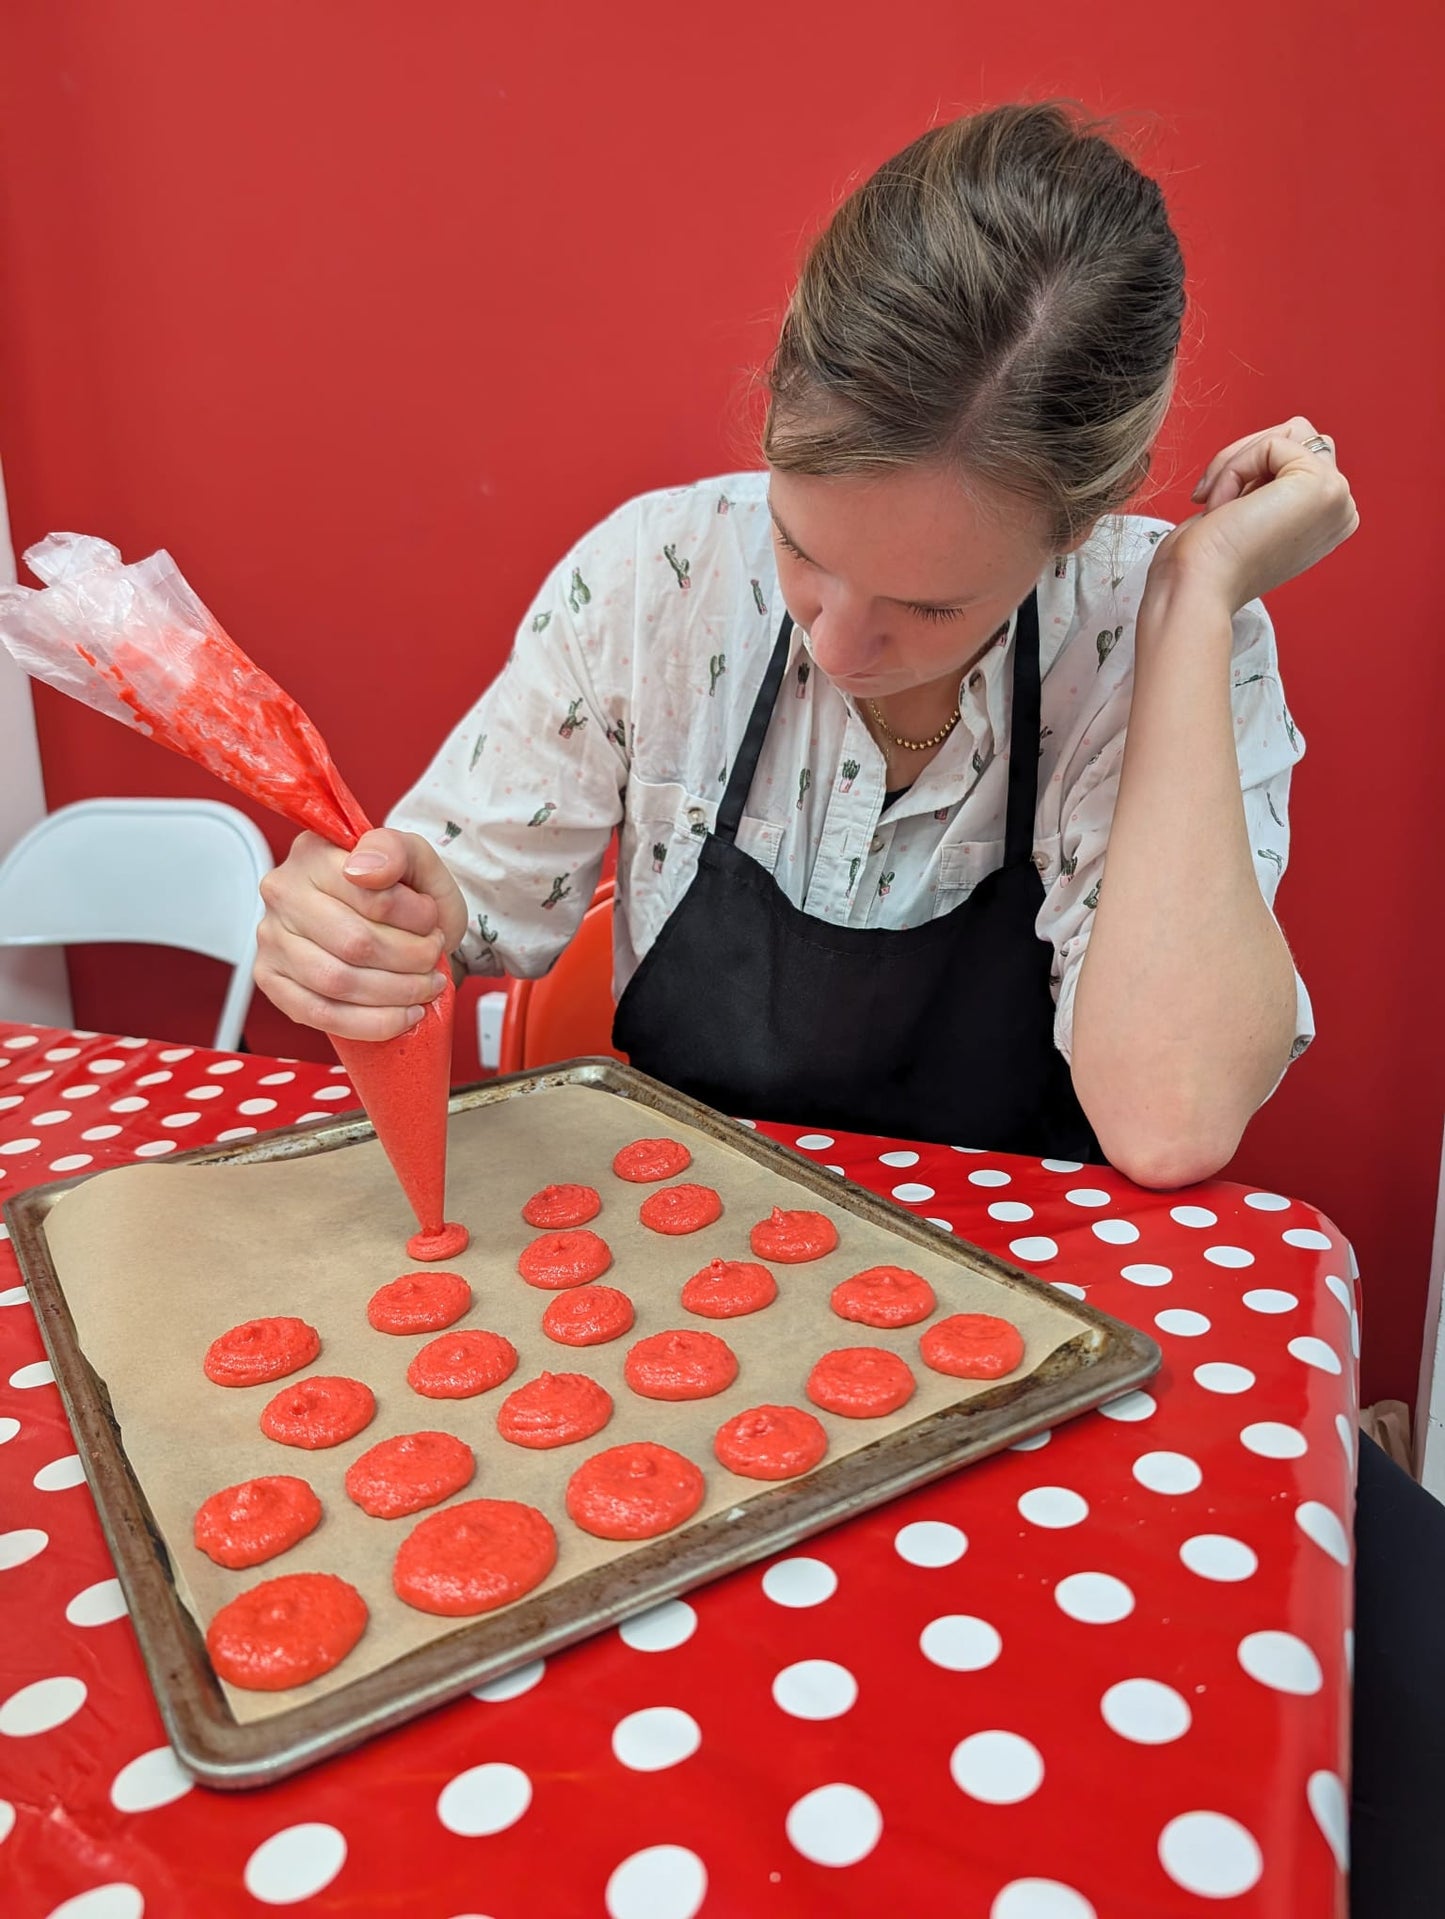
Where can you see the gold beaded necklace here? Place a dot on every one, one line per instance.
(934, 739)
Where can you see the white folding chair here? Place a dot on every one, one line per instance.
(182, 873)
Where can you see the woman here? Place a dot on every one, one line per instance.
(871, 721)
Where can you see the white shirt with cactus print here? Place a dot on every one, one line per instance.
(627, 692)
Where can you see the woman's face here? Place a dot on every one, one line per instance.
(900, 578)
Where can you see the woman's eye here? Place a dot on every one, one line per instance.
(788, 547)
(936, 612)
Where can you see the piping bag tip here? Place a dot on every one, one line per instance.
(403, 1083)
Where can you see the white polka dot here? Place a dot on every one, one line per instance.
(1266, 1202)
(1115, 1232)
(1146, 1712)
(21, 1545)
(1067, 1286)
(943, 1225)
(1062, 1165)
(1053, 1507)
(239, 1132)
(1168, 1472)
(990, 1176)
(1281, 1661)
(8, 1429)
(71, 1163)
(660, 1628)
(660, 1882)
(153, 1148)
(226, 1066)
(256, 1106)
(841, 1171)
(1308, 1238)
(511, 1685)
(1130, 1407)
(930, 1542)
(117, 1899)
(131, 1042)
(154, 1079)
(60, 1474)
(132, 1103)
(11, 1099)
(1330, 1805)
(180, 1119)
(52, 1119)
(295, 1864)
(97, 1605)
(1000, 1768)
(815, 1142)
(108, 1065)
(1011, 1212)
(7, 1820)
(913, 1193)
(40, 1707)
(1220, 1377)
(14, 1296)
(173, 1053)
(1217, 1556)
(13, 1146)
(1210, 1854)
(1035, 1442)
(37, 1373)
(1040, 1899)
(62, 1052)
(1346, 1432)
(484, 1800)
(1086, 1196)
(1147, 1275)
(1269, 1299)
(1314, 1352)
(1033, 1249)
(960, 1643)
(19, 1041)
(154, 1779)
(1340, 1290)
(1318, 1523)
(37, 1079)
(345, 1092)
(1350, 1651)
(1193, 1216)
(655, 1738)
(800, 1582)
(1181, 1322)
(101, 1132)
(1232, 1256)
(966, 1149)
(815, 1689)
(1094, 1599)
(310, 1116)
(205, 1092)
(896, 1159)
(835, 1825)
(1269, 1439)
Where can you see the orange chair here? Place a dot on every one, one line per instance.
(568, 1012)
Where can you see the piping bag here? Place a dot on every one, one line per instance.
(135, 642)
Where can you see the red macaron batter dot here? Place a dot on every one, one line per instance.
(973, 1346)
(261, 1350)
(557, 1206)
(419, 1303)
(729, 1288)
(246, 1524)
(770, 1442)
(884, 1296)
(318, 1412)
(680, 1365)
(792, 1237)
(459, 1365)
(648, 1159)
(474, 1557)
(860, 1382)
(558, 1260)
(555, 1409)
(634, 1492)
(286, 1631)
(409, 1473)
(588, 1316)
(680, 1209)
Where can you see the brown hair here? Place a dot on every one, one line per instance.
(1005, 294)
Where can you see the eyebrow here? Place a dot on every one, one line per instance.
(929, 606)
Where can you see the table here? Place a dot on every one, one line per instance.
(1101, 1676)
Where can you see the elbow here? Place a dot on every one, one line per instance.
(1164, 1157)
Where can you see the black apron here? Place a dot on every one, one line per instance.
(936, 1032)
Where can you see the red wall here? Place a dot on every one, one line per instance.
(366, 310)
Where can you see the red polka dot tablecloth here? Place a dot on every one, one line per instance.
(1104, 1675)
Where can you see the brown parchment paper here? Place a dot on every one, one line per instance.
(155, 1261)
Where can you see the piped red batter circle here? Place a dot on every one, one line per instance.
(459, 1365)
(318, 1412)
(680, 1209)
(680, 1365)
(439, 1242)
(254, 1521)
(474, 1557)
(884, 1296)
(588, 1316)
(648, 1159)
(791, 1238)
(728, 1288)
(634, 1492)
(860, 1382)
(558, 1260)
(770, 1442)
(419, 1303)
(409, 1473)
(972, 1346)
(562, 1206)
(554, 1409)
(261, 1350)
(286, 1631)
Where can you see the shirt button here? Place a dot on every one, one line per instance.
(877, 843)
(1041, 862)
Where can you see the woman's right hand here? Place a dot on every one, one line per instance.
(357, 943)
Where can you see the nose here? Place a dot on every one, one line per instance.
(844, 645)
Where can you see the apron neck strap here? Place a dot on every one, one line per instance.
(730, 812)
(1023, 766)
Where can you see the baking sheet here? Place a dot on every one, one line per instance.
(155, 1261)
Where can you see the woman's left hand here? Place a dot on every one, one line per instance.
(1271, 510)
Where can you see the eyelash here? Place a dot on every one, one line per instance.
(919, 612)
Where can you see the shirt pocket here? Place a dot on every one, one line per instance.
(962, 866)
(664, 827)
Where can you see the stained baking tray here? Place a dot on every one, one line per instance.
(1102, 1359)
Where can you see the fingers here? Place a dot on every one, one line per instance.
(315, 988)
(332, 1016)
(385, 861)
(1237, 468)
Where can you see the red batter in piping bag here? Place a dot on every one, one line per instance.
(134, 642)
